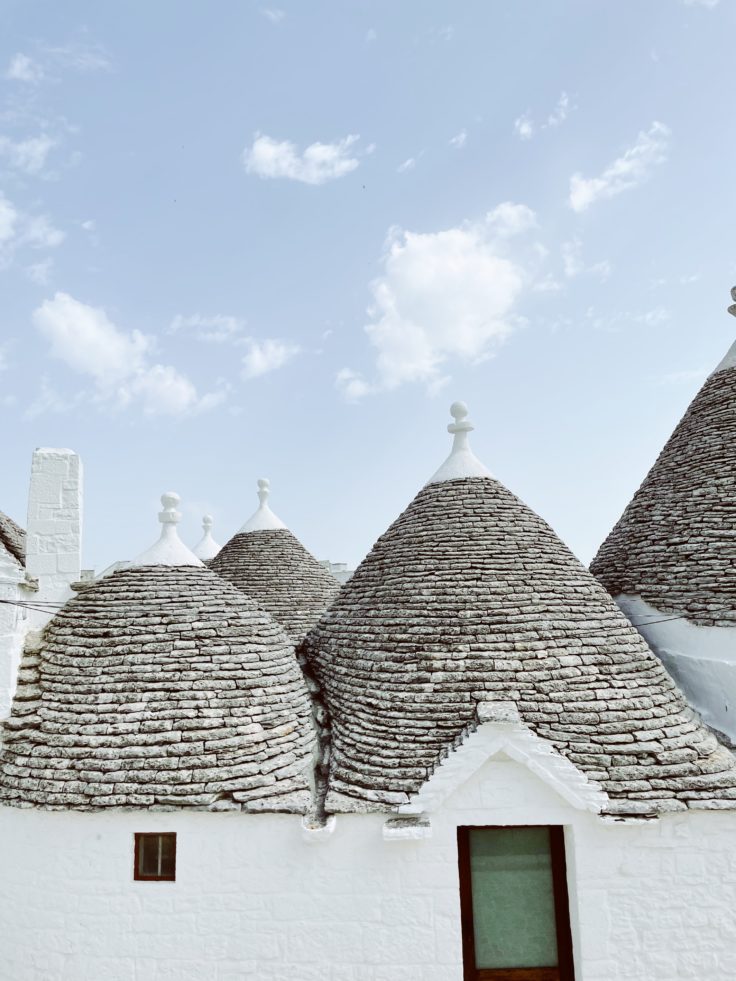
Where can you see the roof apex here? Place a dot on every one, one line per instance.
(206, 548)
(169, 549)
(263, 519)
(461, 462)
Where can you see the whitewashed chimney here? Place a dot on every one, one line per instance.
(54, 528)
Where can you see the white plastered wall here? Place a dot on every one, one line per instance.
(54, 528)
(702, 660)
(254, 899)
(12, 627)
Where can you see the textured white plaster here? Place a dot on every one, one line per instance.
(729, 360)
(13, 623)
(702, 660)
(54, 528)
(461, 462)
(263, 519)
(169, 549)
(652, 901)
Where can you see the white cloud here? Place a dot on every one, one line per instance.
(267, 355)
(524, 127)
(28, 155)
(24, 69)
(81, 56)
(162, 390)
(8, 220)
(573, 264)
(508, 219)
(90, 225)
(442, 296)
(654, 317)
(217, 328)
(117, 361)
(352, 386)
(273, 14)
(708, 4)
(459, 139)
(371, 35)
(317, 164)
(629, 170)
(40, 272)
(409, 164)
(547, 284)
(84, 338)
(560, 112)
(41, 234)
(18, 229)
(49, 400)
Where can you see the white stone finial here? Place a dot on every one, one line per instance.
(461, 462)
(264, 519)
(169, 515)
(206, 548)
(169, 549)
(730, 359)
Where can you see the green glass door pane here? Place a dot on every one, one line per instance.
(513, 898)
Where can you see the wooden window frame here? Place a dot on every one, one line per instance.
(140, 837)
(565, 971)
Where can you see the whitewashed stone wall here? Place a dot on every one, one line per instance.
(253, 899)
(54, 528)
(702, 660)
(12, 627)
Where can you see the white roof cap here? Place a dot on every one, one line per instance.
(169, 549)
(263, 519)
(461, 462)
(206, 548)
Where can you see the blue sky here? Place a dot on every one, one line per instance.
(278, 240)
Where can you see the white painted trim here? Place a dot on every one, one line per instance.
(517, 741)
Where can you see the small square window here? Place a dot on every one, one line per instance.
(155, 857)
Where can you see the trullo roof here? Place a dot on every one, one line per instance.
(675, 544)
(469, 597)
(272, 566)
(159, 685)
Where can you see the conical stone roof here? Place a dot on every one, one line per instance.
(159, 685)
(675, 544)
(471, 597)
(268, 563)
